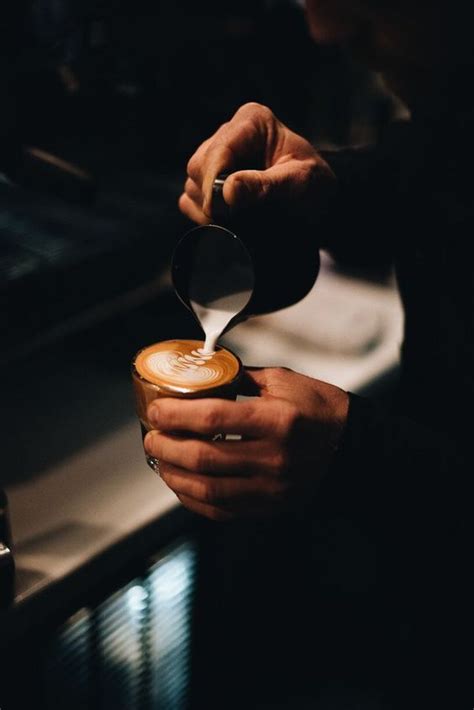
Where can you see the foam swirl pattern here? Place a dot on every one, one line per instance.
(182, 364)
(182, 369)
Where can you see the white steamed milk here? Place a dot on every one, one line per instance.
(182, 369)
(217, 314)
(196, 368)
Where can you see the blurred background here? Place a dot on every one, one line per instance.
(102, 102)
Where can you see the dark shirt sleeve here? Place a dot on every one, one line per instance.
(410, 489)
(359, 228)
(412, 471)
(404, 473)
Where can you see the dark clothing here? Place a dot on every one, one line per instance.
(408, 466)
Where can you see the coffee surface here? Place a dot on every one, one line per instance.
(184, 364)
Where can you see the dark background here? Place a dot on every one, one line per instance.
(124, 92)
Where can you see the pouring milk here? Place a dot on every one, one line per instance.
(221, 283)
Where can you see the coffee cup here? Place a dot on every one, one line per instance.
(182, 369)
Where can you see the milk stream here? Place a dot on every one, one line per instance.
(196, 368)
(217, 314)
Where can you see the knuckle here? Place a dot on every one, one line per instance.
(220, 150)
(223, 128)
(193, 167)
(200, 458)
(265, 113)
(247, 126)
(253, 414)
(211, 418)
(188, 185)
(256, 109)
(289, 419)
(209, 493)
(219, 141)
(183, 202)
(280, 373)
(280, 462)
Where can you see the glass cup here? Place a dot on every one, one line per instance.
(178, 368)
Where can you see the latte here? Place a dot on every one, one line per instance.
(181, 368)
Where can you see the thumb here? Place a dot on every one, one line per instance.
(289, 180)
(299, 184)
(246, 188)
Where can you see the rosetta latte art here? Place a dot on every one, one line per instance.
(184, 369)
(185, 366)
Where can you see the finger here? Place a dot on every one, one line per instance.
(222, 157)
(191, 210)
(208, 511)
(194, 167)
(241, 458)
(213, 416)
(248, 137)
(217, 490)
(247, 498)
(193, 191)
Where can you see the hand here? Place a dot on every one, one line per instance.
(289, 432)
(292, 175)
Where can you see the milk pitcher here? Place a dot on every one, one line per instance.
(268, 262)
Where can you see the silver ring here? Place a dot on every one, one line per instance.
(154, 464)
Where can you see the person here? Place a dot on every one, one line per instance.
(408, 198)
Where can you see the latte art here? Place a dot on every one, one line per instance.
(178, 368)
(184, 366)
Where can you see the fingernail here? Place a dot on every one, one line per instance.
(153, 414)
